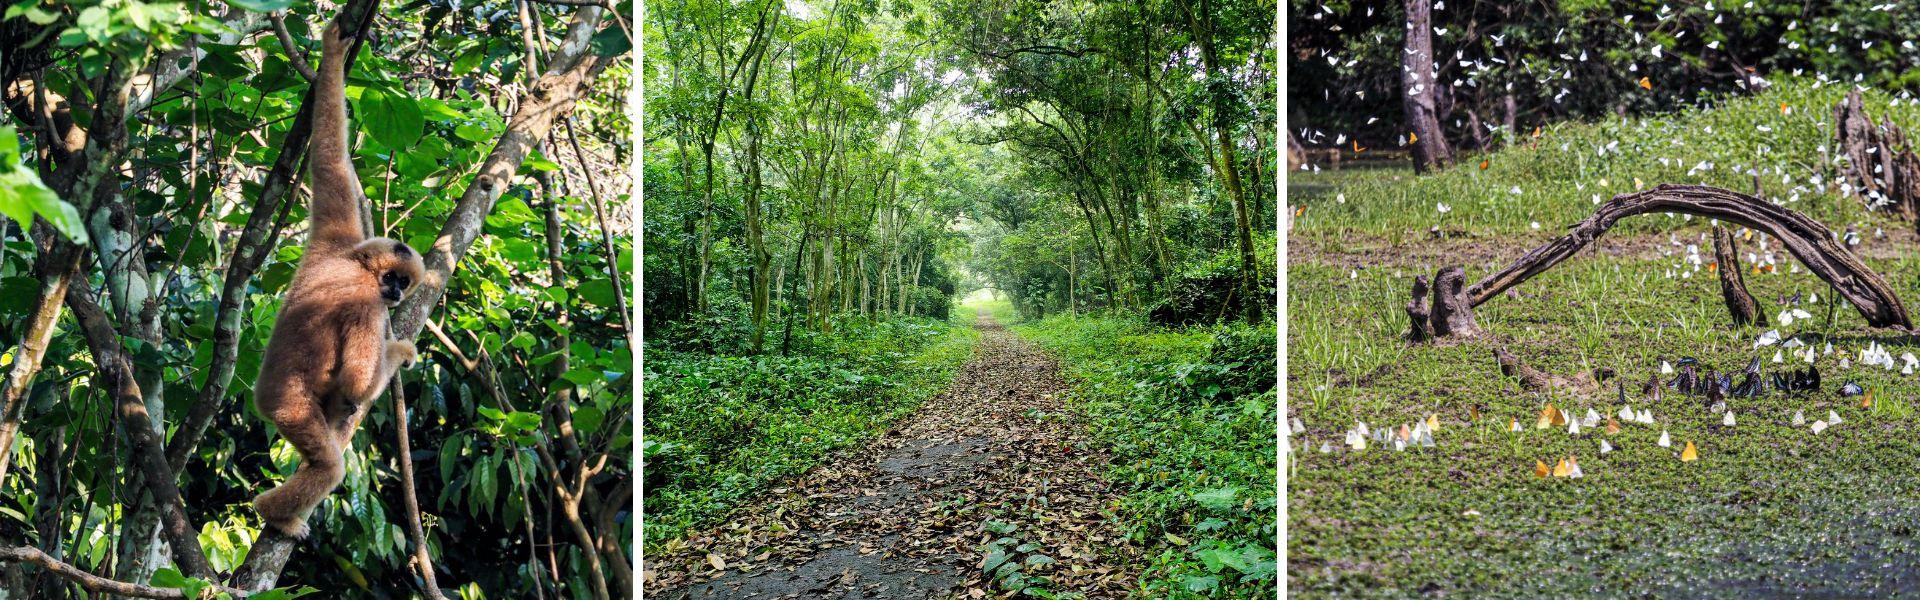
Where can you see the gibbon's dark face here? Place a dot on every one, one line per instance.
(394, 286)
(397, 268)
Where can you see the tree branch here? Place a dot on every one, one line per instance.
(91, 582)
(294, 54)
(116, 376)
(421, 558)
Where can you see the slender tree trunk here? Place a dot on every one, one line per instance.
(1430, 150)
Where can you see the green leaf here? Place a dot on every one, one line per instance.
(262, 6)
(22, 196)
(1217, 499)
(395, 121)
(612, 41)
(598, 292)
(587, 419)
(1202, 583)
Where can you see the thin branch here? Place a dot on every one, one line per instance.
(420, 557)
(608, 4)
(116, 376)
(294, 54)
(91, 582)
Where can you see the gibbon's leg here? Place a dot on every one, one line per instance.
(335, 212)
(302, 421)
(369, 364)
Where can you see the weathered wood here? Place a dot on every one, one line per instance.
(1881, 166)
(1531, 379)
(1452, 313)
(1733, 284)
(1809, 241)
(1418, 313)
(1535, 380)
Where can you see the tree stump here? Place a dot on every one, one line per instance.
(1733, 283)
(1418, 313)
(1452, 313)
(1881, 167)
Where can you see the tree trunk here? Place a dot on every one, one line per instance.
(1430, 151)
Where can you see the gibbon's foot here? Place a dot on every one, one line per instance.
(291, 525)
(402, 352)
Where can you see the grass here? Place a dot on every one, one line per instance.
(1558, 177)
(1769, 509)
(720, 429)
(1188, 416)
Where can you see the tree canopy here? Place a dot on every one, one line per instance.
(815, 159)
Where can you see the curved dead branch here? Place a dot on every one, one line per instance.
(1807, 239)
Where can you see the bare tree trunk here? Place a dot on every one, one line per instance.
(1430, 151)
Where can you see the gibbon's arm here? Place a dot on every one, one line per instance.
(336, 188)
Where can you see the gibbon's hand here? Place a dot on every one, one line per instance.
(402, 352)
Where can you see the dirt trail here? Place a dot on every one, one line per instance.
(913, 514)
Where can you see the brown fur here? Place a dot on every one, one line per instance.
(329, 356)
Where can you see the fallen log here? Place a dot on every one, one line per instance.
(1808, 240)
(1535, 380)
(1733, 284)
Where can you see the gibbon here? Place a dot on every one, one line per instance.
(329, 356)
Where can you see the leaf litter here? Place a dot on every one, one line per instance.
(989, 488)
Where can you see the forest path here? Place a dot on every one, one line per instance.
(994, 462)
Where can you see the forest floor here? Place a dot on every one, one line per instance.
(991, 486)
(1770, 508)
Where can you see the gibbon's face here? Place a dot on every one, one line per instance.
(396, 267)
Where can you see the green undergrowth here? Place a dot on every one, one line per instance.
(1557, 178)
(1188, 417)
(721, 429)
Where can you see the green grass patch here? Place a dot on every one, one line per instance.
(720, 429)
(1001, 309)
(1770, 509)
(1188, 416)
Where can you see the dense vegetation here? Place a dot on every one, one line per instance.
(1189, 415)
(824, 179)
(151, 179)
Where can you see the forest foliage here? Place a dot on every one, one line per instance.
(1189, 415)
(151, 180)
(1505, 68)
